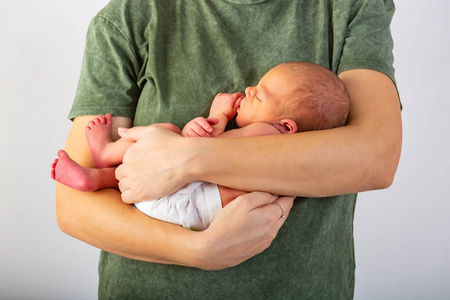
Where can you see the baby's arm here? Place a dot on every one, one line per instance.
(255, 129)
(222, 110)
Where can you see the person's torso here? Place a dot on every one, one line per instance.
(190, 51)
(193, 50)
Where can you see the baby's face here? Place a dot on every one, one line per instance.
(263, 103)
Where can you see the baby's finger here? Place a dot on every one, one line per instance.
(200, 131)
(239, 98)
(203, 123)
(189, 132)
(212, 121)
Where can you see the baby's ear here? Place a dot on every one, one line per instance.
(289, 125)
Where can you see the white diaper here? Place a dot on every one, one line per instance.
(193, 206)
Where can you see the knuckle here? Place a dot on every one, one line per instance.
(245, 201)
(126, 199)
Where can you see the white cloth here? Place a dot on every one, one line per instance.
(193, 206)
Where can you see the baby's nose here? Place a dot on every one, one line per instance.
(249, 91)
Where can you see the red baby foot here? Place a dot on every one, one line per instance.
(98, 133)
(68, 172)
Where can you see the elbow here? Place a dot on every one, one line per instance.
(383, 167)
(63, 217)
(383, 180)
(63, 226)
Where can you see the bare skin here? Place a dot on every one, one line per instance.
(263, 110)
(99, 138)
(361, 156)
(101, 219)
(252, 221)
(107, 153)
(260, 116)
(68, 172)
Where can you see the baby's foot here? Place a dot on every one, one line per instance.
(68, 172)
(98, 133)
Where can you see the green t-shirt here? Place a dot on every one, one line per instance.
(165, 60)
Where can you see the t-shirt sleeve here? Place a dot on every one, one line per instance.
(368, 43)
(108, 80)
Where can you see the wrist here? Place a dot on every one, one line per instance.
(193, 168)
(203, 155)
(220, 115)
(203, 250)
(198, 251)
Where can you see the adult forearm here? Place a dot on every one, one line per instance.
(360, 156)
(306, 164)
(104, 221)
(363, 155)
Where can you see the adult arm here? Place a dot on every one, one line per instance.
(361, 156)
(104, 221)
(358, 157)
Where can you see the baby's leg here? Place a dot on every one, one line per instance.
(68, 172)
(228, 194)
(105, 152)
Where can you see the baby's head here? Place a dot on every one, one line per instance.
(296, 96)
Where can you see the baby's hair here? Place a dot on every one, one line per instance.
(320, 100)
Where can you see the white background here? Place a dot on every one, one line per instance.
(401, 234)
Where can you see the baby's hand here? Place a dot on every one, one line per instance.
(227, 104)
(199, 127)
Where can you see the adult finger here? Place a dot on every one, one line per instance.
(284, 205)
(128, 194)
(120, 172)
(135, 133)
(129, 197)
(258, 199)
(272, 210)
(124, 184)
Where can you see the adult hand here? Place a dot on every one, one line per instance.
(244, 228)
(151, 167)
